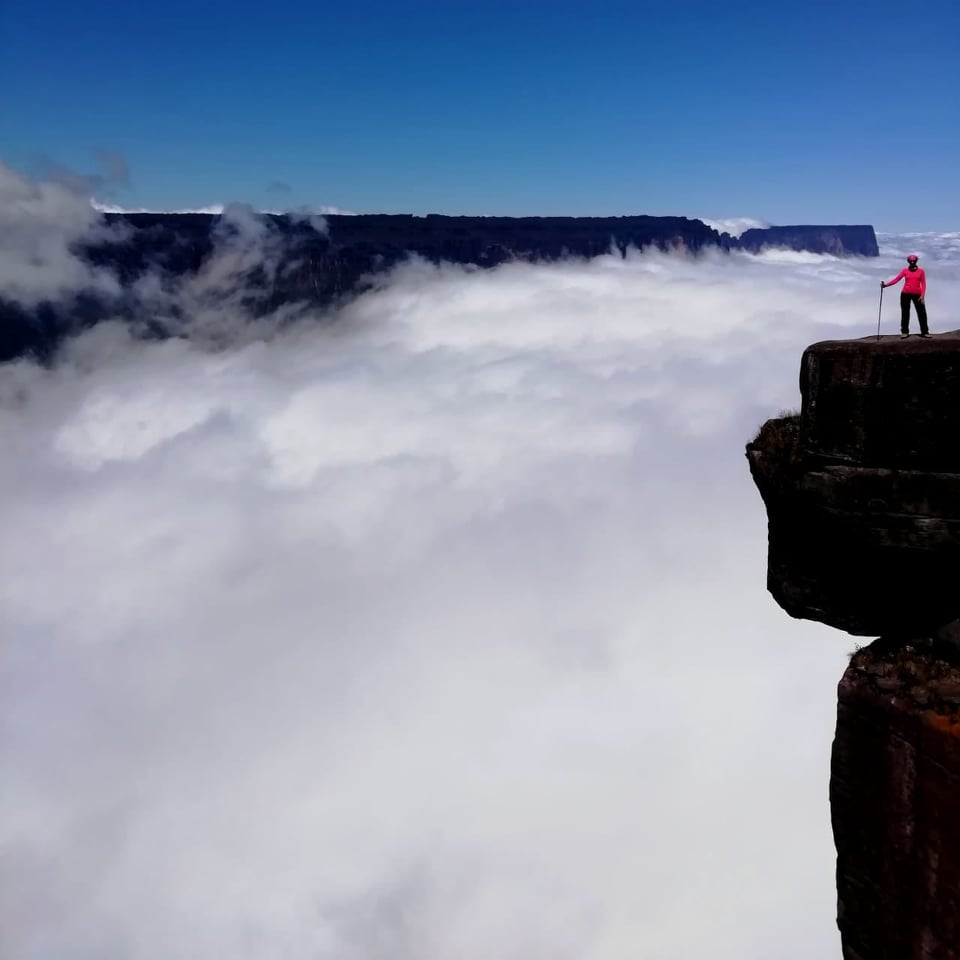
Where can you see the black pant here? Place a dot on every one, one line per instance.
(905, 299)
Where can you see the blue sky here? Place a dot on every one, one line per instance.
(790, 112)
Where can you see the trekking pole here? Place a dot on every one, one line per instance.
(879, 311)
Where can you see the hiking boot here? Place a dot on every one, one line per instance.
(903, 336)
(926, 336)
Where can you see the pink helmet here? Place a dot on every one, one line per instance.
(912, 256)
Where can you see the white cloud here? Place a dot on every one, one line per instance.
(734, 225)
(325, 208)
(217, 208)
(940, 249)
(212, 208)
(39, 221)
(437, 629)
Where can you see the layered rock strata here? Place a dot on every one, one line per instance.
(863, 487)
(862, 490)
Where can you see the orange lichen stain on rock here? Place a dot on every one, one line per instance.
(945, 723)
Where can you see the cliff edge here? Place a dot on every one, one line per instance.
(862, 490)
(863, 487)
(295, 263)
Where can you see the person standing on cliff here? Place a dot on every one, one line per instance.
(914, 290)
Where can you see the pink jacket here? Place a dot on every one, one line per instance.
(915, 281)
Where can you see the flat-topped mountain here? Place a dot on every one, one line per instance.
(157, 266)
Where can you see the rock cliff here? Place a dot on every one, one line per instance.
(862, 490)
(895, 801)
(841, 241)
(297, 262)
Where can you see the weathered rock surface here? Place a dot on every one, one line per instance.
(895, 805)
(841, 241)
(862, 490)
(883, 402)
(287, 263)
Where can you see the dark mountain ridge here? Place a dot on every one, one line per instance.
(259, 264)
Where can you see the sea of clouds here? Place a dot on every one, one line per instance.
(435, 628)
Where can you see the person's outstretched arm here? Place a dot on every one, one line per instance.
(896, 279)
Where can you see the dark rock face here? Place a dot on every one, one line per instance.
(285, 262)
(884, 403)
(864, 500)
(862, 490)
(841, 241)
(895, 803)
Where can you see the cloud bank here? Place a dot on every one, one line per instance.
(735, 226)
(40, 221)
(321, 209)
(438, 630)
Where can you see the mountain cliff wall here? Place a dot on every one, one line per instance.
(839, 241)
(299, 262)
(895, 800)
(862, 491)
